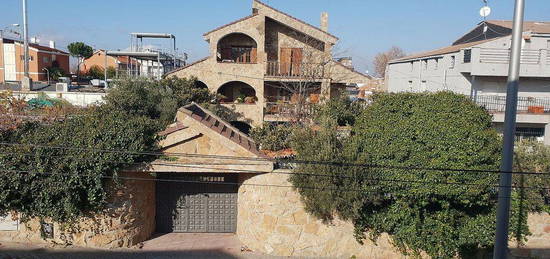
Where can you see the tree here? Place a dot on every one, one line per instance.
(301, 73)
(80, 51)
(381, 60)
(415, 207)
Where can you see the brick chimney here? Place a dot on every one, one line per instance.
(324, 21)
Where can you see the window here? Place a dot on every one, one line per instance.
(436, 63)
(30, 57)
(412, 65)
(45, 59)
(410, 85)
(423, 86)
(548, 44)
(453, 60)
(425, 64)
(467, 55)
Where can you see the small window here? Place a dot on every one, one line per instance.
(453, 60)
(412, 64)
(30, 58)
(548, 44)
(467, 55)
(425, 64)
(410, 85)
(45, 59)
(436, 63)
(423, 85)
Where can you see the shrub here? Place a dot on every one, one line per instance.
(156, 99)
(96, 72)
(64, 184)
(272, 136)
(428, 130)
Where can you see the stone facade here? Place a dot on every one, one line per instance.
(267, 31)
(272, 220)
(128, 219)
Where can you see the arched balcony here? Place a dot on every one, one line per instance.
(237, 92)
(237, 48)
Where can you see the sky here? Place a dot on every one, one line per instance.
(365, 27)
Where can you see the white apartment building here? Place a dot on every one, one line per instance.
(476, 65)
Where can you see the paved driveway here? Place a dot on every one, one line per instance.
(173, 245)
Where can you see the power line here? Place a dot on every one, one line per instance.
(342, 164)
(196, 166)
(226, 183)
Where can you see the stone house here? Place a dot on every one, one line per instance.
(267, 56)
(476, 65)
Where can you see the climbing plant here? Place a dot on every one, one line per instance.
(67, 182)
(441, 213)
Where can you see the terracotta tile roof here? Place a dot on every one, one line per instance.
(178, 126)
(441, 51)
(186, 66)
(292, 17)
(532, 26)
(38, 47)
(44, 48)
(220, 126)
(231, 23)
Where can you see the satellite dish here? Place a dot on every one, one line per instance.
(485, 11)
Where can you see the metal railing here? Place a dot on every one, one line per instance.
(496, 103)
(294, 70)
(502, 56)
(288, 109)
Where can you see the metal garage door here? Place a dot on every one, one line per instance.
(199, 206)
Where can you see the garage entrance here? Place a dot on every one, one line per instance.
(204, 203)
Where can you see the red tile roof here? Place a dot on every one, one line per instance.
(220, 126)
(179, 126)
(292, 17)
(441, 51)
(532, 26)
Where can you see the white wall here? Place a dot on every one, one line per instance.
(75, 98)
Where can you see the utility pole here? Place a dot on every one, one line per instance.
(26, 83)
(506, 166)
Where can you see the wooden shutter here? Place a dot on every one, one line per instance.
(285, 59)
(253, 55)
(296, 61)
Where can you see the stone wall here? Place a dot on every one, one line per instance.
(538, 243)
(128, 219)
(272, 220)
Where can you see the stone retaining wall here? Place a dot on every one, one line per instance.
(128, 219)
(272, 220)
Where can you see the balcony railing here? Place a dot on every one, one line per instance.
(288, 109)
(495, 103)
(294, 70)
(502, 56)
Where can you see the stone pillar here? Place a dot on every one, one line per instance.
(324, 21)
(325, 90)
